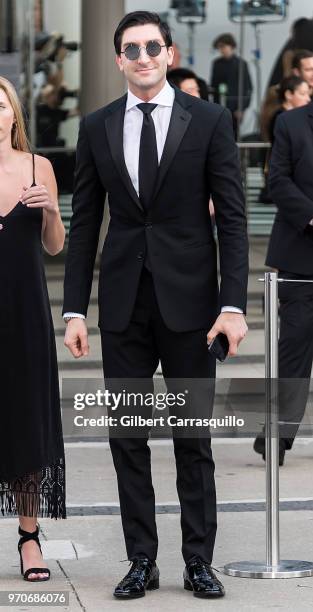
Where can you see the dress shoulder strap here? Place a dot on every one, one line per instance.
(34, 181)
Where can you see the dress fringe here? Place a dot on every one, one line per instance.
(39, 494)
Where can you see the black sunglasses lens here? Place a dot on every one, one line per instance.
(132, 52)
(153, 48)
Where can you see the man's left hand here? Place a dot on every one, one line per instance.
(234, 325)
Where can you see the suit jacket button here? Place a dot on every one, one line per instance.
(148, 224)
(140, 255)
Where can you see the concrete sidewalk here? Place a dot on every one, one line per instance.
(94, 567)
(86, 550)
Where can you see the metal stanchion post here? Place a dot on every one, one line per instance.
(271, 419)
(273, 567)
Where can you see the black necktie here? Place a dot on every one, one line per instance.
(148, 156)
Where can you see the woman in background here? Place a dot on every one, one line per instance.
(291, 93)
(32, 467)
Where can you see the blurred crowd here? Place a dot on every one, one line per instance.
(50, 89)
(282, 92)
(229, 83)
(290, 83)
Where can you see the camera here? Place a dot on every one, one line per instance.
(258, 8)
(189, 10)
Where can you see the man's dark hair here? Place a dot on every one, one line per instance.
(138, 18)
(290, 83)
(302, 34)
(224, 39)
(299, 23)
(178, 75)
(299, 56)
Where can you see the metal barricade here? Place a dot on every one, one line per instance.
(273, 567)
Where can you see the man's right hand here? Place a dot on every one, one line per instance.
(76, 337)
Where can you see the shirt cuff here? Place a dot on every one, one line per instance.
(74, 315)
(231, 309)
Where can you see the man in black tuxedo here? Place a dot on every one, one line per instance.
(159, 154)
(291, 252)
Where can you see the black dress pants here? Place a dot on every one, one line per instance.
(134, 354)
(295, 352)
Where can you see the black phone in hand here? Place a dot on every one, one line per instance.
(219, 347)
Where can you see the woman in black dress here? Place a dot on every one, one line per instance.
(32, 467)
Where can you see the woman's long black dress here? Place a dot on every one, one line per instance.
(32, 466)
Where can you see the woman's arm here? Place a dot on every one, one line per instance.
(45, 195)
(53, 231)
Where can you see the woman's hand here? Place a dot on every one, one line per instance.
(45, 196)
(38, 197)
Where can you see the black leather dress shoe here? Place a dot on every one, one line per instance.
(259, 447)
(143, 575)
(200, 578)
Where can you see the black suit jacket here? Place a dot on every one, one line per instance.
(200, 158)
(291, 185)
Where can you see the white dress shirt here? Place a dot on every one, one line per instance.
(161, 116)
(133, 120)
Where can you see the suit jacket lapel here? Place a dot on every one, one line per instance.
(179, 122)
(114, 129)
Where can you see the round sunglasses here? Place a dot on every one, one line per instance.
(153, 49)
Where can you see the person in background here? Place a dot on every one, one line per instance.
(177, 56)
(302, 66)
(186, 80)
(301, 38)
(49, 116)
(225, 79)
(290, 252)
(292, 92)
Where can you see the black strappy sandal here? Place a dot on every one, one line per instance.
(26, 537)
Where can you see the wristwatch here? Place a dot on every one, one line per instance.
(67, 319)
